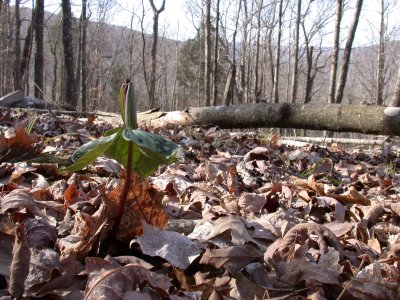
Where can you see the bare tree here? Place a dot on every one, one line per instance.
(215, 65)
(69, 84)
(296, 52)
(81, 69)
(396, 93)
(278, 54)
(152, 89)
(380, 76)
(17, 47)
(207, 52)
(335, 51)
(83, 42)
(39, 55)
(347, 53)
(257, 90)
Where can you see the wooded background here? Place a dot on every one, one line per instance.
(245, 51)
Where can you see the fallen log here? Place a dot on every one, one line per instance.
(369, 119)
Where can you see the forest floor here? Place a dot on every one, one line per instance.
(237, 216)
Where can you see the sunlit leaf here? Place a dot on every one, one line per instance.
(88, 153)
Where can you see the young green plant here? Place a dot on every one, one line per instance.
(135, 149)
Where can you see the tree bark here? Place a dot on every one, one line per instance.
(396, 92)
(215, 65)
(81, 72)
(207, 52)
(152, 90)
(347, 53)
(296, 52)
(17, 47)
(27, 51)
(335, 51)
(39, 56)
(278, 54)
(257, 92)
(380, 76)
(69, 85)
(309, 80)
(336, 117)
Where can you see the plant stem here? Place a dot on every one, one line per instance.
(125, 190)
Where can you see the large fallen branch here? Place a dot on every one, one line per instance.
(335, 117)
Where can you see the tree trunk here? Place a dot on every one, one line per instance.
(296, 52)
(309, 80)
(152, 91)
(80, 73)
(27, 51)
(70, 89)
(257, 92)
(39, 56)
(396, 92)
(83, 57)
(17, 48)
(207, 52)
(278, 54)
(347, 53)
(337, 117)
(215, 66)
(380, 76)
(335, 51)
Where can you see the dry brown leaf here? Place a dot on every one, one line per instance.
(281, 249)
(19, 268)
(352, 196)
(18, 145)
(236, 232)
(232, 259)
(108, 280)
(143, 204)
(177, 249)
(18, 200)
(252, 202)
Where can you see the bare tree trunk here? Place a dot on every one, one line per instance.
(257, 92)
(335, 51)
(70, 90)
(380, 76)
(27, 51)
(347, 53)
(39, 59)
(215, 66)
(83, 56)
(17, 47)
(310, 51)
(396, 93)
(231, 80)
(296, 52)
(53, 50)
(156, 14)
(80, 73)
(278, 54)
(207, 52)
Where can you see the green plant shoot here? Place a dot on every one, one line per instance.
(147, 152)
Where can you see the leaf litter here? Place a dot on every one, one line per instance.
(238, 216)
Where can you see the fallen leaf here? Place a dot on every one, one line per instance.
(111, 281)
(143, 205)
(177, 249)
(19, 268)
(232, 259)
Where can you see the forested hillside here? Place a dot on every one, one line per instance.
(244, 52)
